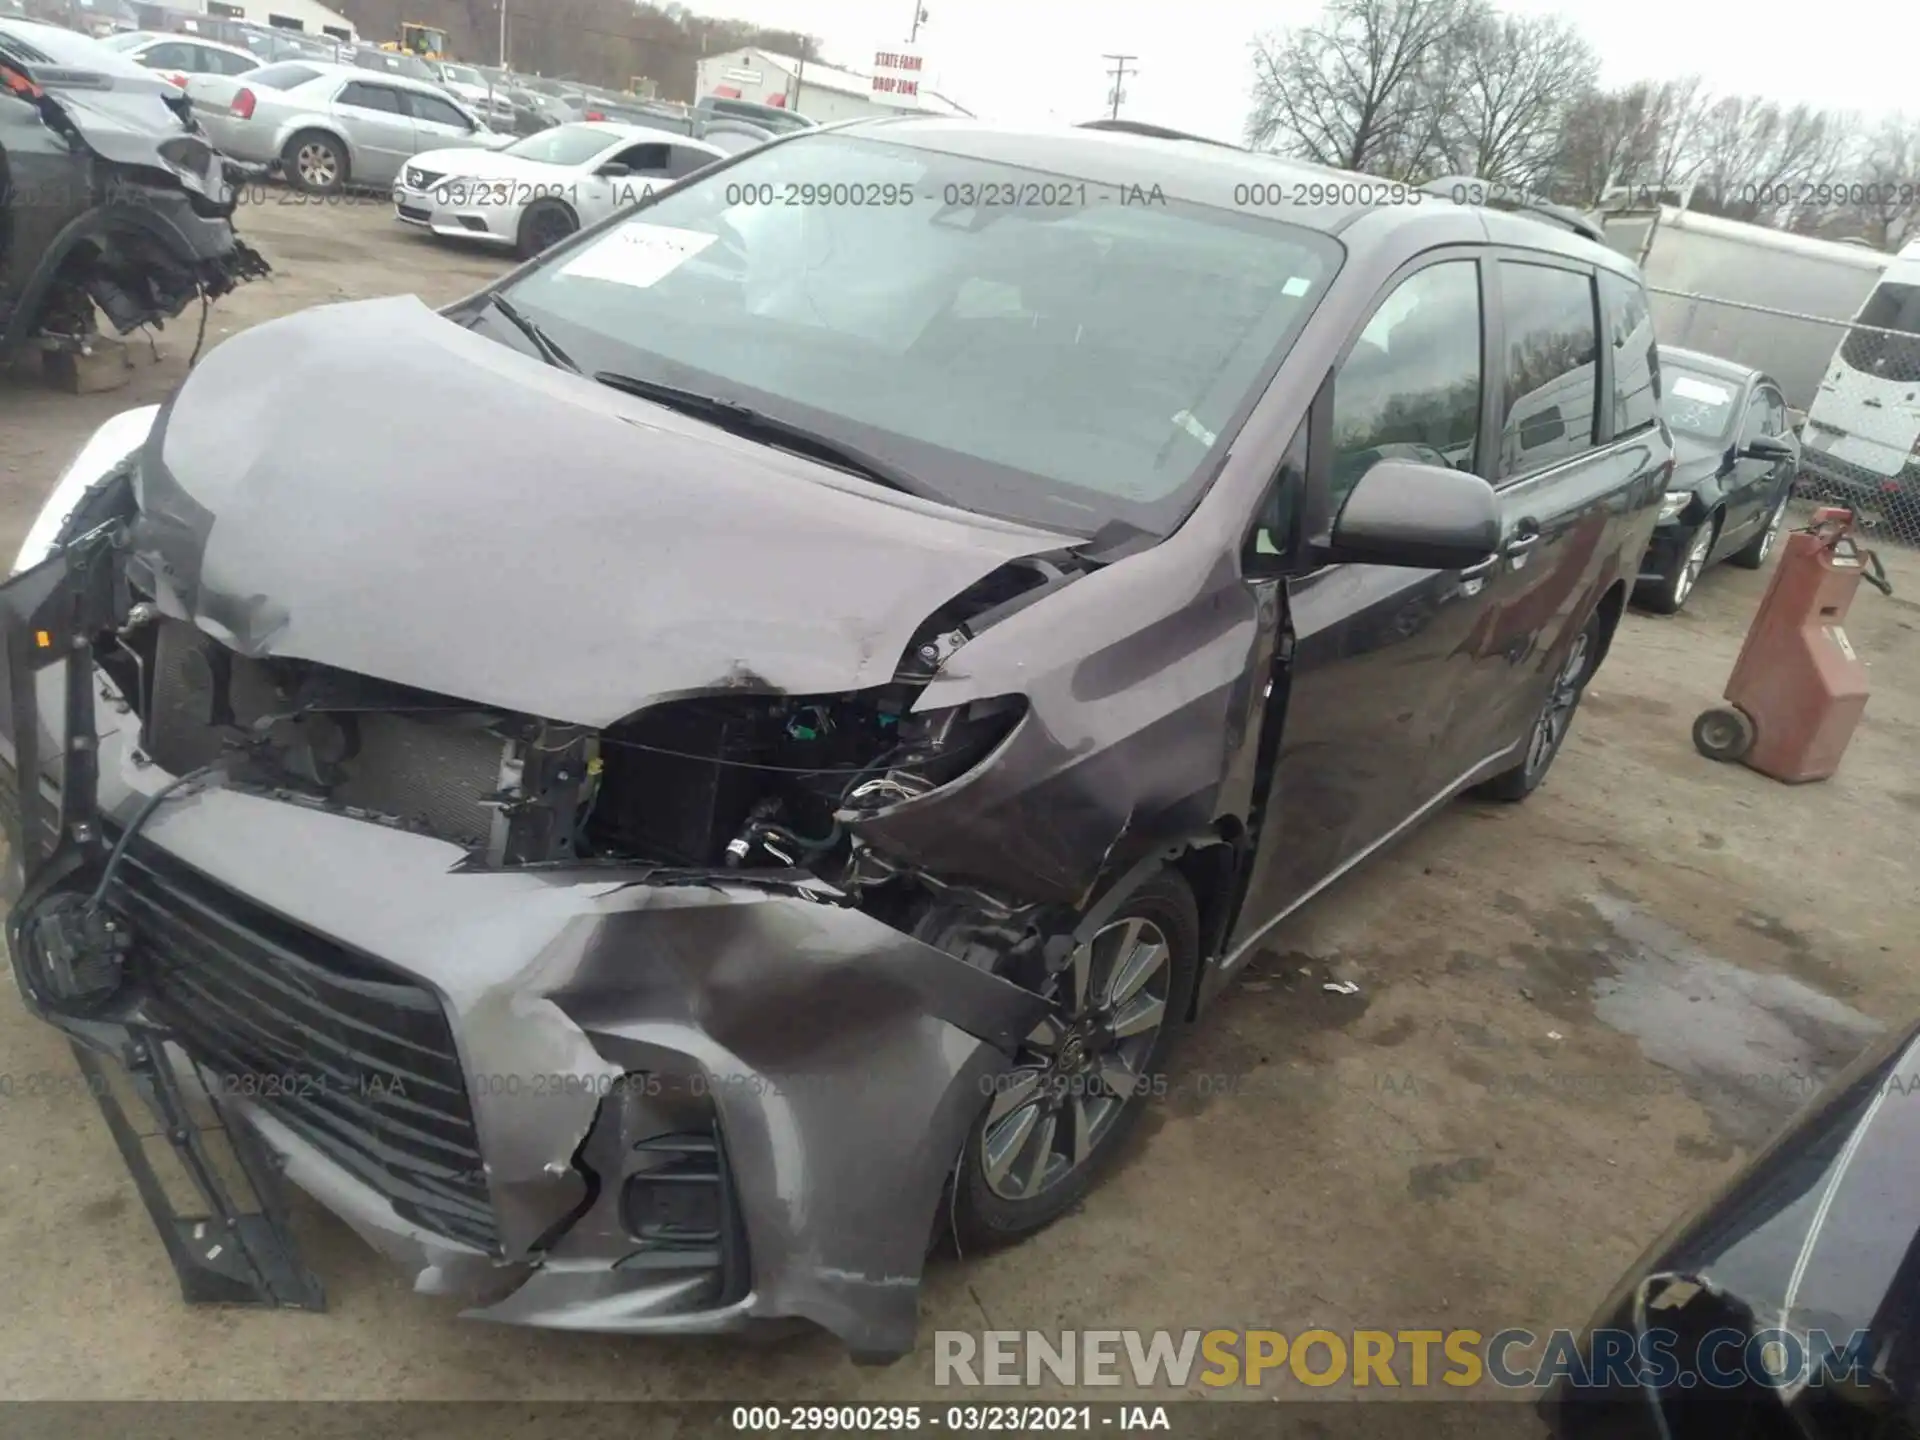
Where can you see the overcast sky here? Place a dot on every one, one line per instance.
(1035, 59)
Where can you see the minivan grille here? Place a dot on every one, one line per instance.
(354, 1057)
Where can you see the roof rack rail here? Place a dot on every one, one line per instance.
(1471, 190)
(1157, 132)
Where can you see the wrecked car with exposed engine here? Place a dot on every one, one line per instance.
(112, 202)
(750, 792)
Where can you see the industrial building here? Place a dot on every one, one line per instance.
(820, 92)
(304, 16)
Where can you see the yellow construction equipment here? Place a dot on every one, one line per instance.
(429, 42)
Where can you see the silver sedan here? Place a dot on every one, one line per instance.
(326, 127)
(540, 190)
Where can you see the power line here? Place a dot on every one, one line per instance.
(1119, 74)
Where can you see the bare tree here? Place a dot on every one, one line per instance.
(1881, 201)
(1756, 157)
(1513, 85)
(1363, 88)
(1675, 116)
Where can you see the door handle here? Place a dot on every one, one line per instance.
(1485, 567)
(1520, 544)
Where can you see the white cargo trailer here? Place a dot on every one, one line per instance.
(1751, 271)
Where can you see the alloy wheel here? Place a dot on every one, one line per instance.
(1551, 726)
(318, 166)
(1691, 567)
(1082, 1064)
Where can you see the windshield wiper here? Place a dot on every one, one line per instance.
(744, 420)
(549, 352)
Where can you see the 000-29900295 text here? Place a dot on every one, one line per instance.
(953, 1419)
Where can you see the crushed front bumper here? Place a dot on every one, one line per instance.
(584, 1100)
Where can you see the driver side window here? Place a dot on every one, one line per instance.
(1410, 389)
(649, 159)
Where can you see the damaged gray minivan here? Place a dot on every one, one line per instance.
(734, 756)
(111, 200)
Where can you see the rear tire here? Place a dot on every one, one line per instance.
(1754, 553)
(1027, 1162)
(1549, 730)
(546, 224)
(315, 163)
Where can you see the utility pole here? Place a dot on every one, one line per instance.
(503, 34)
(919, 19)
(1119, 74)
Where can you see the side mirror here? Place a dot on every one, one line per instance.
(614, 170)
(1416, 516)
(1767, 447)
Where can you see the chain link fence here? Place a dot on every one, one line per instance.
(1852, 386)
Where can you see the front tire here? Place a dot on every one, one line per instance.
(546, 224)
(1550, 726)
(1672, 592)
(1086, 1073)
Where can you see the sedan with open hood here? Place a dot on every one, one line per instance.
(863, 648)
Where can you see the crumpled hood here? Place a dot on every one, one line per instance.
(373, 487)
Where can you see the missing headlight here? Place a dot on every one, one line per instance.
(770, 781)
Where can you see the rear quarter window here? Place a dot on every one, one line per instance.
(1550, 362)
(282, 77)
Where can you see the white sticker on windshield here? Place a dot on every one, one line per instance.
(638, 255)
(1296, 285)
(1689, 388)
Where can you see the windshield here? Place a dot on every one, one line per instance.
(462, 75)
(1068, 363)
(1695, 404)
(562, 145)
(127, 40)
(1891, 306)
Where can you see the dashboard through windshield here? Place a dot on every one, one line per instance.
(1027, 345)
(1697, 405)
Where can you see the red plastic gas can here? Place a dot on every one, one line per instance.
(1799, 687)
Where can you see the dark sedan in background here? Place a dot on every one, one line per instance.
(1735, 455)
